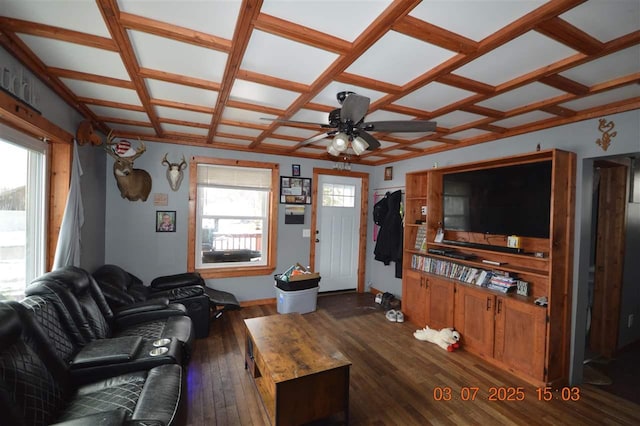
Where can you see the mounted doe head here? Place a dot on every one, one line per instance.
(134, 184)
(175, 172)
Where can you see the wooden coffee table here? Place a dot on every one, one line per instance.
(299, 377)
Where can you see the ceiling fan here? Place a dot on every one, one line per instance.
(350, 129)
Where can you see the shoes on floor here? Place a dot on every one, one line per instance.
(395, 316)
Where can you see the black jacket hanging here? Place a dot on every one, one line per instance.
(386, 213)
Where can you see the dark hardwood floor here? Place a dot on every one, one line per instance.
(393, 377)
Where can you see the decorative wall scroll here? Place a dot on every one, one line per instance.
(606, 128)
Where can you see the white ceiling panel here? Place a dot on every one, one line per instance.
(474, 19)
(521, 119)
(351, 20)
(58, 14)
(126, 114)
(76, 57)
(280, 142)
(619, 64)
(182, 114)
(181, 93)
(409, 136)
(311, 116)
(466, 134)
(456, 118)
(212, 17)
(245, 116)
(397, 152)
(196, 131)
(176, 57)
(236, 130)
(426, 144)
(261, 94)
(328, 95)
(295, 131)
(625, 14)
(384, 115)
(523, 54)
(619, 94)
(398, 59)
(127, 128)
(308, 150)
(375, 158)
(522, 96)
(233, 141)
(87, 89)
(433, 96)
(275, 56)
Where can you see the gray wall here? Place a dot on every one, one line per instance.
(131, 240)
(579, 138)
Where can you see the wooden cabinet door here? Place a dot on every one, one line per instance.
(440, 294)
(520, 331)
(414, 298)
(474, 310)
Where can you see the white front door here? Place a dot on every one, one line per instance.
(337, 236)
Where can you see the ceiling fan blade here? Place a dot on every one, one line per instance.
(280, 120)
(400, 126)
(373, 142)
(317, 138)
(354, 108)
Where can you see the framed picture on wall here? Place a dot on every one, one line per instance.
(295, 190)
(295, 169)
(165, 221)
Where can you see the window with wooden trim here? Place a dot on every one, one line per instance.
(22, 211)
(233, 219)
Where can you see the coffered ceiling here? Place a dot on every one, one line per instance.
(206, 72)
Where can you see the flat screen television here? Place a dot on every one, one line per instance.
(510, 200)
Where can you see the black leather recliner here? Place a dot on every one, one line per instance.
(90, 360)
(122, 289)
(94, 319)
(36, 389)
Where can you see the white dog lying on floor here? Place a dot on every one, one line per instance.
(447, 338)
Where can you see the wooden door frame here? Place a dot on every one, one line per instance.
(609, 258)
(364, 208)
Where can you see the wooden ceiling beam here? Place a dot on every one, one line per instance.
(432, 34)
(118, 120)
(249, 11)
(491, 128)
(253, 107)
(319, 107)
(480, 110)
(400, 109)
(174, 32)
(110, 104)
(244, 124)
(184, 123)
(301, 34)
(110, 13)
(182, 105)
(268, 80)
(565, 84)
(234, 136)
(565, 33)
(93, 78)
(57, 33)
(179, 79)
(558, 110)
(466, 84)
(368, 83)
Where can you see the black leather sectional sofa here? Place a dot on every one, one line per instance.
(66, 356)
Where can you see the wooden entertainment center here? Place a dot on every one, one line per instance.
(505, 329)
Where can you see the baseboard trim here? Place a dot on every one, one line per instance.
(270, 301)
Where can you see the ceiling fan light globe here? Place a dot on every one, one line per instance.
(359, 145)
(332, 151)
(340, 142)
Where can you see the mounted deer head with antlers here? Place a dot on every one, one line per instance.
(134, 184)
(175, 172)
